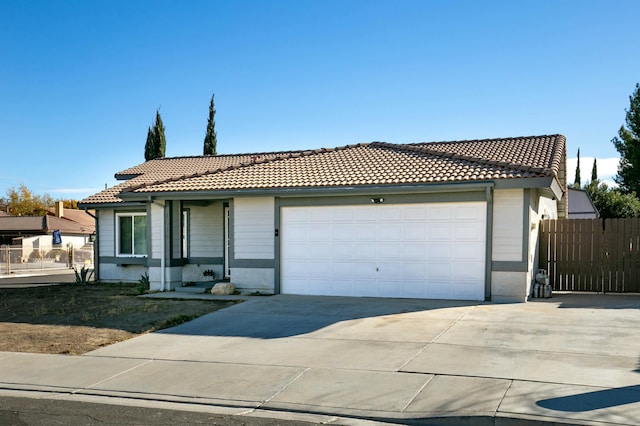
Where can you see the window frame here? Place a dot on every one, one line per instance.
(118, 235)
(185, 227)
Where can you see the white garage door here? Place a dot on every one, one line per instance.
(432, 250)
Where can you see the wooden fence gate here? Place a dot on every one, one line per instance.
(600, 255)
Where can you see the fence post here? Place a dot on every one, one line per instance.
(7, 258)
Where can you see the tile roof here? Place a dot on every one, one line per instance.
(376, 163)
(85, 219)
(41, 224)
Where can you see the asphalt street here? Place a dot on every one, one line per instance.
(16, 411)
(37, 279)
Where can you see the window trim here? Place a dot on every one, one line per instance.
(185, 231)
(117, 234)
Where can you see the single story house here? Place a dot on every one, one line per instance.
(580, 205)
(445, 220)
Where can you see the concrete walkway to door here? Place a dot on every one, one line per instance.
(573, 358)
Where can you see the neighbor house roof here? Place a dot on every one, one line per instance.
(580, 205)
(85, 219)
(370, 164)
(27, 225)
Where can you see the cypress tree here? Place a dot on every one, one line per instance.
(576, 182)
(210, 140)
(161, 142)
(594, 171)
(149, 147)
(156, 141)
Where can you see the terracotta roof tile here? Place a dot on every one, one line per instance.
(376, 163)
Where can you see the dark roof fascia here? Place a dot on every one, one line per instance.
(304, 192)
(122, 204)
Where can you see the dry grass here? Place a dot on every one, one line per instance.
(74, 319)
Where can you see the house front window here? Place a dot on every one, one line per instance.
(132, 234)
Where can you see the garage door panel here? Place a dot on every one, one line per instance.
(439, 271)
(438, 251)
(414, 289)
(390, 250)
(319, 251)
(440, 213)
(316, 233)
(413, 250)
(414, 271)
(414, 231)
(344, 214)
(341, 271)
(364, 251)
(415, 214)
(364, 288)
(389, 213)
(469, 251)
(389, 270)
(298, 216)
(468, 213)
(365, 214)
(342, 232)
(464, 290)
(316, 215)
(470, 271)
(298, 251)
(389, 232)
(440, 231)
(468, 232)
(365, 269)
(364, 231)
(297, 232)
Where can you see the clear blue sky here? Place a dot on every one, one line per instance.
(80, 81)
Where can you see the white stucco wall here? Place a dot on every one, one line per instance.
(507, 225)
(107, 232)
(515, 286)
(195, 272)
(253, 227)
(248, 280)
(155, 224)
(109, 272)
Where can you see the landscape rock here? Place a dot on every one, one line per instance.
(223, 288)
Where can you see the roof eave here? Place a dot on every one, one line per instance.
(315, 191)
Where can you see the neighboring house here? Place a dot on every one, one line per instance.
(580, 205)
(36, 232)
(445, 220)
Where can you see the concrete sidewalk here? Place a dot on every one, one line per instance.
(572, 359)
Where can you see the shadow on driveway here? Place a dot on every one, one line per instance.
(288, 315)
(593, 400)
(594, 301)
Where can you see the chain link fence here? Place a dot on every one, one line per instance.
(16, 259)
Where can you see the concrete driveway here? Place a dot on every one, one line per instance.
(571, 358)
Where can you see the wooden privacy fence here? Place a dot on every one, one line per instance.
(601, 255)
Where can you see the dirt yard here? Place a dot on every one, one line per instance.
(74, 319)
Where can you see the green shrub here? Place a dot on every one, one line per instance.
(84, 275)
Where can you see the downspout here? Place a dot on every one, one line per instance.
(489, 244)
(163, 284)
